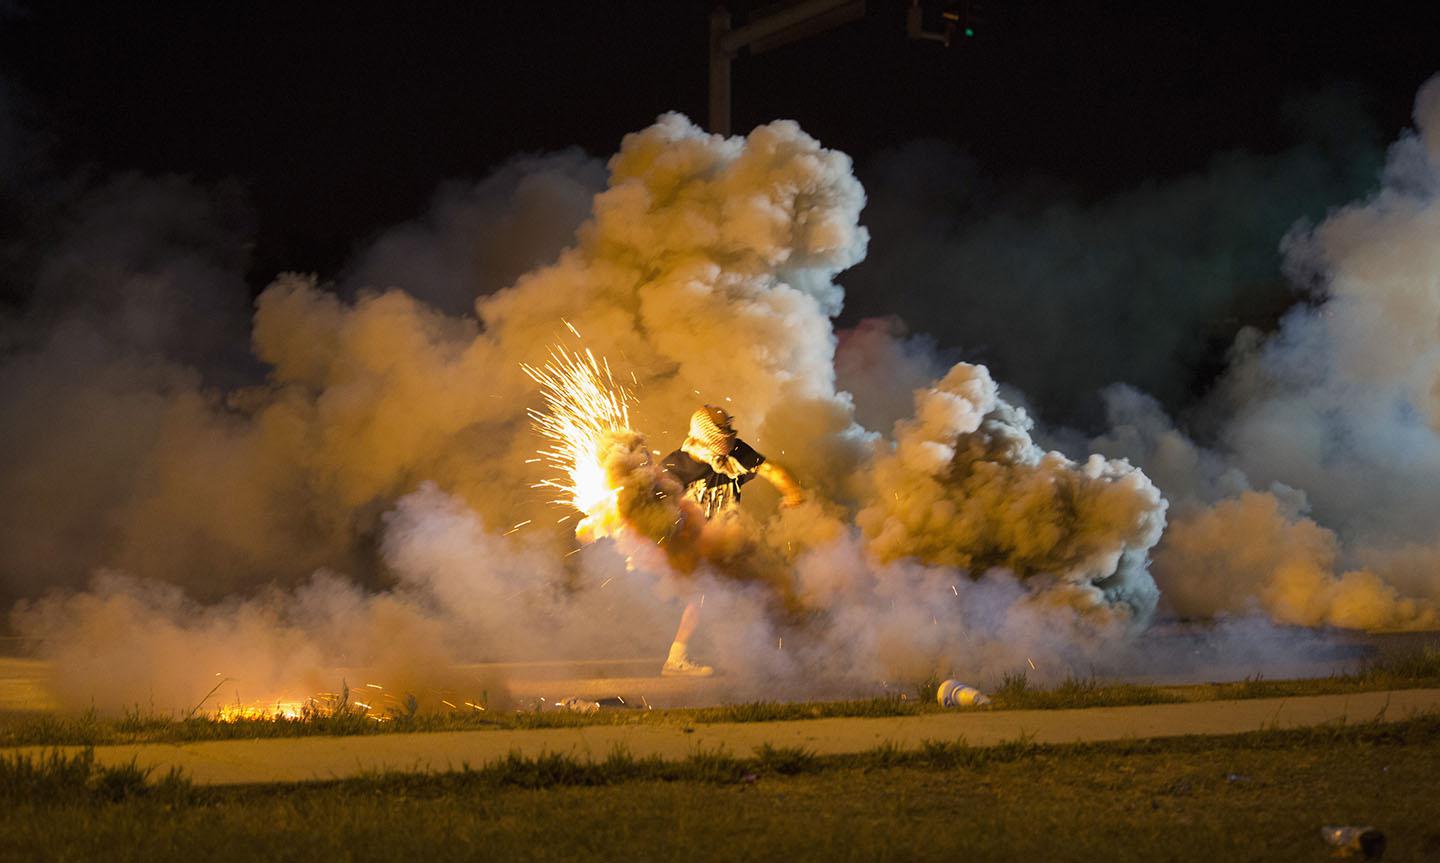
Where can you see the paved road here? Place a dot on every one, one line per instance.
(314, 758)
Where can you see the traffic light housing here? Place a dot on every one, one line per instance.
(962, 20)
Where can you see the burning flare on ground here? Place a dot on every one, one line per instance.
(584, 409)
(373, 702)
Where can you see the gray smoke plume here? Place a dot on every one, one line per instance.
(1315, 503)
(1063, 295)
(481, 237)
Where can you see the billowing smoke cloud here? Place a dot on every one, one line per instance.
(345, 480)
(1317, 502)
(461, 592)
(882, 367)
(481, 237)
(130, 315)
(966, 487)
(388, 447)
(1231, 548)
(1063, 295)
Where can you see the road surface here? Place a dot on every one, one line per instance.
(320, 758)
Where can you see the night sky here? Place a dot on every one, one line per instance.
(341, 119)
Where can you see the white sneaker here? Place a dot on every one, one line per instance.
(683, 667)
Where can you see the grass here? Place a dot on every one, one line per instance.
(1257, 796)
(89, 728)
(1410, 669)
(76, 778)
(1016, 693)
(1401, 670)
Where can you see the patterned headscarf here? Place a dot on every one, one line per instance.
(714, 428)
(712, 437)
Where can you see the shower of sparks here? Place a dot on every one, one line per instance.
(387, 708)
(582, 406)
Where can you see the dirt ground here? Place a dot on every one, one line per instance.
(314, 758)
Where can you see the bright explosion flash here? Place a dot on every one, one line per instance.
(583, 406)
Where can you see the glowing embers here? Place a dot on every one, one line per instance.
(321, 705)
(277, 710)
(371, 703)
(584, 407)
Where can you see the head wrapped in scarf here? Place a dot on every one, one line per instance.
(712, 437)
(714, 428)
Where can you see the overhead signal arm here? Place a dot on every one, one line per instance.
(788, 23)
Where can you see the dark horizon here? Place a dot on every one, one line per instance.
(338, 125)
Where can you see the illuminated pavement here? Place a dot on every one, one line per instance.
(319, 758)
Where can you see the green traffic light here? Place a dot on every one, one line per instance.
(969, 32)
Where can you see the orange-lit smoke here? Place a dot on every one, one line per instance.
(371, 500)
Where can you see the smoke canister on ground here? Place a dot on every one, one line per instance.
(953, 693)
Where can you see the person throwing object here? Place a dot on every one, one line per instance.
(712, 465)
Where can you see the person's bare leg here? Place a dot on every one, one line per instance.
(678, 661)
(689, 619)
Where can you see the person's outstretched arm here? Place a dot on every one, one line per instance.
(790, 492)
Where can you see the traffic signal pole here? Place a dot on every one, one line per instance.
(791, 23)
